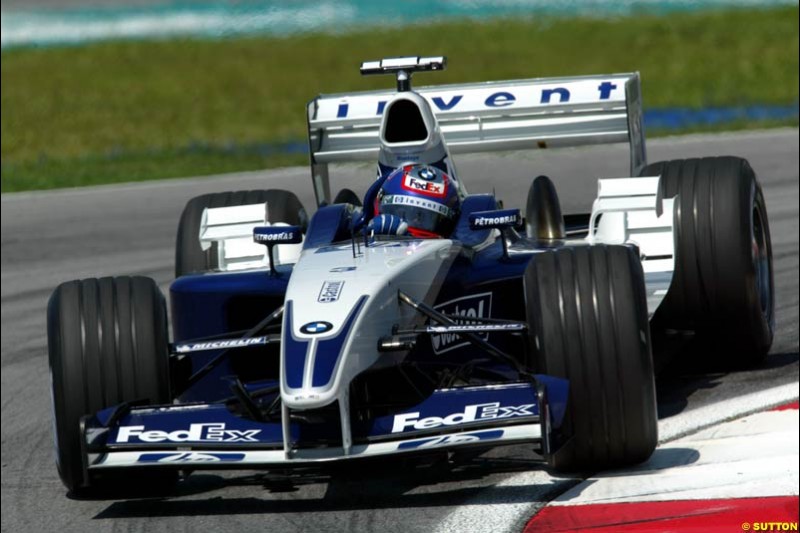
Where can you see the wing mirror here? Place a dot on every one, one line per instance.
(270, 236)
(500, 219)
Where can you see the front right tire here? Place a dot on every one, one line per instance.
(587, 316)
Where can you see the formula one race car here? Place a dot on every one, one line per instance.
(302, 342)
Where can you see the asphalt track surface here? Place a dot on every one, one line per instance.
(50, 237)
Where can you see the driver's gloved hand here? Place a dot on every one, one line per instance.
(387, 225)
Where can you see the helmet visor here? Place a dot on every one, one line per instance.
(419, 213)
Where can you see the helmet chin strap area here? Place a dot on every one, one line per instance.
(423, 234)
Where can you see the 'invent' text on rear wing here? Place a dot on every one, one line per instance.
(491, 116)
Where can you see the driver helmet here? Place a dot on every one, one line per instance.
(424, 196)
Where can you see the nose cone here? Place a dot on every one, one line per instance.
(338, 307)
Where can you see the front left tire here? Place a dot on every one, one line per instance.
(107, 344)
(190, 258)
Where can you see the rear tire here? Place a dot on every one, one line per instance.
(190, 258)
(587, 316)
(723, 286)
(347, 196)
(107, 344)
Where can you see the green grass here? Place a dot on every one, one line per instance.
(137, 166)
(128, 111)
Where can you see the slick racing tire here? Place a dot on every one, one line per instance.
(587, 316)
(107, 344)
(347, 196)
(190, 258)
(722, 287)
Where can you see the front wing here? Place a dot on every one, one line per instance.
(209, 436)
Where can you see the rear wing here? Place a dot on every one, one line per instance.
(491, 116)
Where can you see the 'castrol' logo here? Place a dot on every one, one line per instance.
(475, 306)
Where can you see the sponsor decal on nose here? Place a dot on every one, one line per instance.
(330, 291)
(314, 328)
(343, 269)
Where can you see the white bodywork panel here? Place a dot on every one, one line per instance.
(504, 115)
(429, 151)
(629, 209)
(232, 229)
(374, 273)
(378, 272)
(489, 116)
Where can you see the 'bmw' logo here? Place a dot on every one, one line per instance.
(314, 328)
(427, 174)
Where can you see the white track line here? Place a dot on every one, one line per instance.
(751, 457)
(709, 415)
(484, 514)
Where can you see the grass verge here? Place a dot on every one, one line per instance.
(125, 111)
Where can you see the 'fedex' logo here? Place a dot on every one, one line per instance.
(215, 432)
(425, 187)
(471, 413)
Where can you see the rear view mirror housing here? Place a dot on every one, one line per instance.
(497, 219)
(270, 236)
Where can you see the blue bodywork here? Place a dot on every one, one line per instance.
(236, 404)
(218, 303)
(141, 429)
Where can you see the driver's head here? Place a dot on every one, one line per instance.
(424, 196)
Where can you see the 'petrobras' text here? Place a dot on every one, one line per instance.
(284, 236)
(491, 221)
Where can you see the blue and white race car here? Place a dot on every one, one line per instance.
(421, 319)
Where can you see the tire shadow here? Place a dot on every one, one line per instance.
(694, 371)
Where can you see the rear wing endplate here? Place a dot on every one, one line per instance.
(491, 116)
